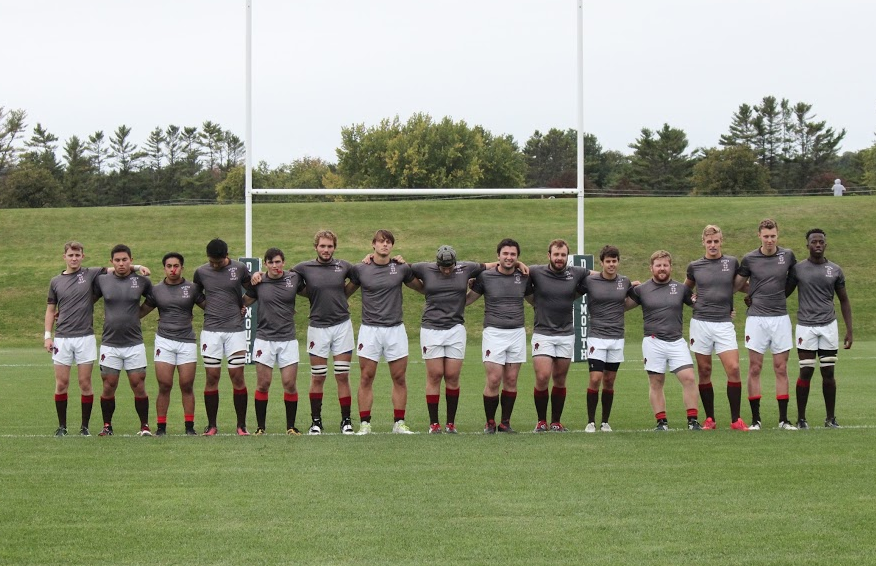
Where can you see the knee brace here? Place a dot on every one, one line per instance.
(318, 371)
(828, 361)
(810, 363)
(236, 361)
(342, 367)
(212, 362)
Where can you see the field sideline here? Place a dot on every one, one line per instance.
(628, 497)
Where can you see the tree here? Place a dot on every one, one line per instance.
(742, 128)
(234, 150)
(98, 149)
(123, 151)
(78, 181)
(504, 166)
(549, 156)
(30, 186)
(11, 127)
(659, 163)
(42, 145)
(212, 139)
(731, 171)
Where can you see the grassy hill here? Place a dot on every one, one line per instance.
(33, 240)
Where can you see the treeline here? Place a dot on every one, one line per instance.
(772, 147)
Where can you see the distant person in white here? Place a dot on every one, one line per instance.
(838, 188)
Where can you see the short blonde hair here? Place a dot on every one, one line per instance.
(660, 254)
(73, 245)
(711, 230)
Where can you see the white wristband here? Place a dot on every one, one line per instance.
(137, 267)
(48, 335)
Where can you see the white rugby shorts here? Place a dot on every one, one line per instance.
(220, 345)
(391, 342)
(768, 332)
(79, 350)
(712, 337)
(272, 352)
(609, 350)
(553, 346)
(127, 358)
(504, 345)
(331, 340)
(817, 337)
(449, 343)
(660, 354)
(173, 352)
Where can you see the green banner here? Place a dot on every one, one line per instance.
(581, 315)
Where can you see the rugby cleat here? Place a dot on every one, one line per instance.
(144, 431)
(260, 431)
(83, 431)
(241, 430)
(605, 427)
(558, 427)
(662, 426)
(161, 432)
(399, 427)
(785, 425)
(211, 430)
(541, 426)
(505, 426)
(315, 427)
(753, 426)
(364, 428)
(802, 424)
(450, 428)
(738, 424)
(591, 427)
(709, 424)
(107, 430)
(347, 426)
(190, 431)
(694, 424)
(490, 427)
(831, 423)
(434, 428)
(62, 431)
(293, 432)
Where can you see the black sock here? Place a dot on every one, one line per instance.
(754, 402)
(141, 405)
(541, 403)
(452, 398)
(87, 405)
(211, 406)
(734, 396)
(432, 407)
(592, 401)
(607, 400)
(108, 407)
(558, 401)
(291, 404)
(491, 404)
(828, 388)
(802, 391)
(241, 399)
(707, 395)
(261, 411)
(507, 401)
(61, 409)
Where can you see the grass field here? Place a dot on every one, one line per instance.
(629, 497)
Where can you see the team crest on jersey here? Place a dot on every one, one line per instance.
(488, 353)
(424, 349)
(80, 278)
(288, 282)
(535, 346)
(392, 269)
(258, 353)
(691, 341)
(516, 278)
(185, 292)
(232, 271)
(135, 284)
(102, 357)
(55, 349)
(781, 259)
(204, 348)
(312, 344)
(592, 349)
(157, 352)
(673, 288)
(337, 267)
(620, 284)
(361, 346)
(828, 271)
(725, 265)
(799, 341)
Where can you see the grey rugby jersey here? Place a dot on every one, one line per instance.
(445, 294)
(553, 293)
(223, 291)
(503, 298)
(121, 308)
(72, 296)
(605, 303)
(175, 304)
(767, 276)
(325, 290)
(714, 280)
(816, 285)
(276, 312)
(381, 291)
(662, 306)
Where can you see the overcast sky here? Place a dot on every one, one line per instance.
(79, 66)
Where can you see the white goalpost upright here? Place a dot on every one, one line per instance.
(249, 191)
